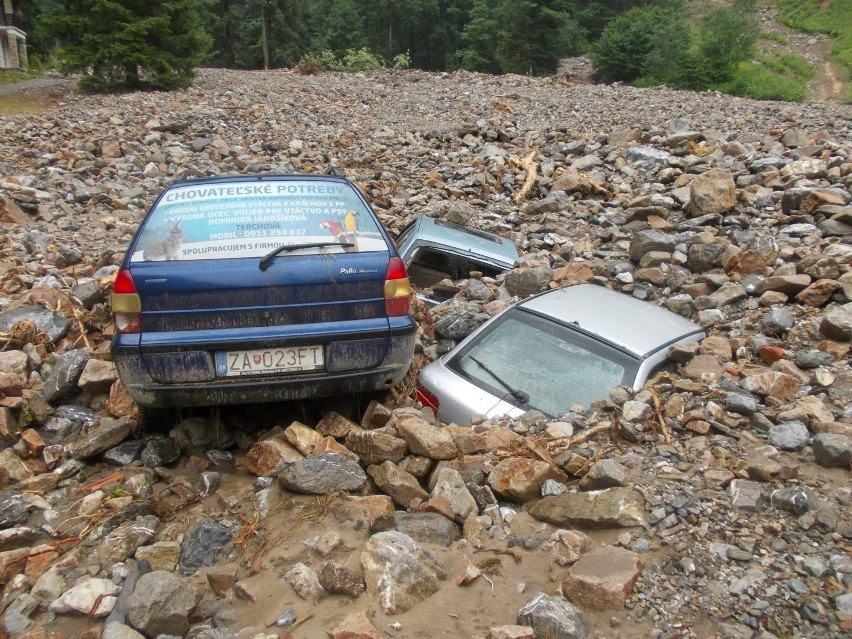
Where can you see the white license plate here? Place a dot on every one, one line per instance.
(268, 361)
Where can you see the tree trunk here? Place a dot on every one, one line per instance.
(131, 75)
(263, 39)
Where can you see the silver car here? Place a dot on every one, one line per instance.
(551, 351)
(435, 250)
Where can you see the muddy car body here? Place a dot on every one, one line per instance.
(435, 250)
(260, 288)
(551, 351)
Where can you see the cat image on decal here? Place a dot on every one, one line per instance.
(166, 248)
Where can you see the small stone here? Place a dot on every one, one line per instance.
(789, 435)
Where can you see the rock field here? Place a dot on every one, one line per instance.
(713, 503)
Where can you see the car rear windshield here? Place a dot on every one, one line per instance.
(221, 220)
(549, 362)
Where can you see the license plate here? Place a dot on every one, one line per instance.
(268, 361)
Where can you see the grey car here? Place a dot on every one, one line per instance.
(435, 250)
(551, 351)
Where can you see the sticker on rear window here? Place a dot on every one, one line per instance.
(228, 220)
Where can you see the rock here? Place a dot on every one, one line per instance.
(124, 453)
(268, 457)
(819, 293)
(511, 631)
(552, 617)
(703, 368)
(704, 257)
(337, 579)
(747, 495)
(425, 439)
(92, 597)
(427, 528)
(647, 241)
(607, 473)
(109, 433)
(837, 323)
(525, 282)
(794, 499)
(790, 285)
(398, 484)
(122, 542)
(201, 544)
(116, 630)
(771, 384)
(53, 325)
(450, 485)
(519, 479)
(357, 625)
(162, 555)
(97, 376)
(161, 603)
(336, 425)
(777, 321)
(302, 438)
(833, 450)
(456, 326)
(160, 452)
(304, 581)
(603, 578)
(63, 378)
(789, 435)
(375, 447)
(610, 508)
(13, 509)
(323, 474)
(399, 572)
(712, 192)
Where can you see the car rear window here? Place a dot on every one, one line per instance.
(552, 364)
(222, 220)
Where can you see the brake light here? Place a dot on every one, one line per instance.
(397, 289)
(426, 398)
(126, 305)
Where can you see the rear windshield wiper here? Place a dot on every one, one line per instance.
(519, 396)
(266, 260)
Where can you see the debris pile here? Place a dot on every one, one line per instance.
(714, 502)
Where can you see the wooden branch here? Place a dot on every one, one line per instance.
(560, 445)
(529, 165)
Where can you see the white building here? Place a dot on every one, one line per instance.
(13, 40)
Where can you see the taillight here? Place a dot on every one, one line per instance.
(397, 289)
(426, 398)
(126, 305)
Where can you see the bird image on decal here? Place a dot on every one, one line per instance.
(332, 226)
(350, 225)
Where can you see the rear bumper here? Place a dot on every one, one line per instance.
(274, 388)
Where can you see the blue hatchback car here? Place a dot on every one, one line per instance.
(260, 288)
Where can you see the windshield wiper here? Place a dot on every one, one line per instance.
(266, 260)
(519, 396)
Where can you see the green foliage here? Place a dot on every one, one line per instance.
(512, 36)
(401, 61)
(774, 37)
(360, 60)
(833, 18)
(351, 60)
(644, 41)
(754, 80)
(726, 36)
(131, 45)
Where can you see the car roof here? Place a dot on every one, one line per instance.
(638, 327)
(462, 239)
(261, 177)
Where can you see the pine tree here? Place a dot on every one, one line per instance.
(132, 44)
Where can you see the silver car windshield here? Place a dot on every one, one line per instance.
(554, 365)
